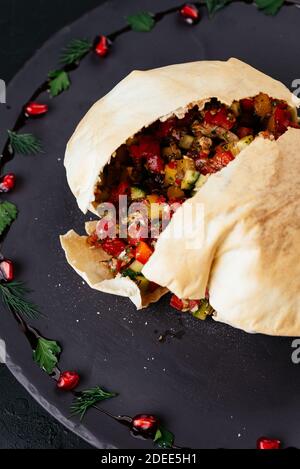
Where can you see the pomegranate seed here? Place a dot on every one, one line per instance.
(7, 182)
(36, 109)
(267, 443)
(190, 13)
(68, 380)
(145, 425)
(102, 46)
(6, 270)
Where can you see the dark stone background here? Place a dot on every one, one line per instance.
(24, 26)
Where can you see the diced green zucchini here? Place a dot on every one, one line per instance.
(137, 193)
(186, 141)
(204, 310)
(142, 283)
(241, 144)
(189, 179)
(200, 181)
(136, 266)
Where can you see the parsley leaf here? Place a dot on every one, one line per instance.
(141, 22)
(46, 353)
(59, 81)
(164, 438)
(8, 213)
(215, 5)
(270, 7)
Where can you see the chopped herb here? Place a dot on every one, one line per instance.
(141, 22)
(75, 51)
(58, 81)
(46, 353)
(88, 398)
(25, 144)
(8, 213)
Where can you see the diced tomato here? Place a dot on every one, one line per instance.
(219, 117)
(114, 247)
(222, 158)
(244, 131)
(193, 303)
(176, 303)
(295, 125)
(146, 147)
(166, 127)
(212, 165)
(172, 164)
(161, 199)
(143, 252)
(282, 119)
(155, 164)
(247, 104)
(122, 189)
(280, 104)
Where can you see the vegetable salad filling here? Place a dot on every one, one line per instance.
(165, 164)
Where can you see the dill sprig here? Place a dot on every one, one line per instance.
(25, 144)
(13, 295)
(75, 51)
(88, 398)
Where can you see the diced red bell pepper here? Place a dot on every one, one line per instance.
(193, 303)
(166, 127)
(155, 164)
(146, 147)
(172, 164)
(215, 164)
(221, 159)
(244, 131)
(282, 119)
(176, 302)
(220, 118)
(122, 189)
(143, 252)
(114, 247)
(247, 104)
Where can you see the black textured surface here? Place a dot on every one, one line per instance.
(24, 26)
(217, 386)
(24, 424)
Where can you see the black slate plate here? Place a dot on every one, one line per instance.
(217, 386)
